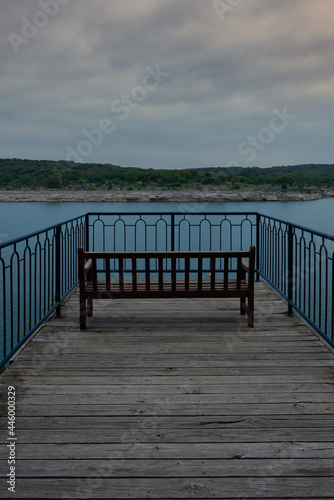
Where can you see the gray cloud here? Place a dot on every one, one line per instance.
(225, 77)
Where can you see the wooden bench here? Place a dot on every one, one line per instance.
(166, 275)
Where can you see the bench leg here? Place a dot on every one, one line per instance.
(249, 309)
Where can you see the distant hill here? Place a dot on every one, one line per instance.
(36, 174)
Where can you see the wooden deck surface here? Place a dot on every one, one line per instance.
(173, 399)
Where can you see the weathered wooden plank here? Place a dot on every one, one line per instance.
(173, 451)
(164, 408)
(210, 336)
(195, 487)
(184, 326)
(177, 389)
(199, 363)
(305, 423)
(195, 357)
(186, 348)
(223, 468)
(152, 432)
(249, 376)
(167, 373)
(179, 400)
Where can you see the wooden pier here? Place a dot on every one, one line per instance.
(173, 398)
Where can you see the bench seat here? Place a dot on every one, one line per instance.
(126, 291)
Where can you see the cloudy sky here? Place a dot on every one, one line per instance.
(168, 83)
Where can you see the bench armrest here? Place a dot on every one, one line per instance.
(245, 265)
(88, 266)
(83, 267)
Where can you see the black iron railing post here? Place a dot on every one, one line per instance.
(258, 219)
(172, 230)
(87, 233)
(290, 270)
(58, 271)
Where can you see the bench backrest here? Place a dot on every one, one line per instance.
(162, 266)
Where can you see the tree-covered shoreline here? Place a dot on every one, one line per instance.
(46, 174)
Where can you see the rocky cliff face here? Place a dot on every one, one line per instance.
(162, 195)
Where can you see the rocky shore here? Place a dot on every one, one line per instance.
(165, 195)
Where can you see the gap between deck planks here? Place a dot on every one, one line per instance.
(173, 399)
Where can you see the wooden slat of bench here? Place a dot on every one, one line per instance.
(186, 273)
(200, 273)
(114, 286)
(173, 273)
(226, 272)
(93, 271)
(134, 274)
(147, 273)
(213, 272)
(239, 269)
(108, 274)
(161, 273)
(121, 273)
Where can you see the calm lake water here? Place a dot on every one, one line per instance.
(18, 219)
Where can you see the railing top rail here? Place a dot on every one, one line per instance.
(298, 226)
(36, 233)
(171, 213)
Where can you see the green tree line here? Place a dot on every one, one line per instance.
(36, 174)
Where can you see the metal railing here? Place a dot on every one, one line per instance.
(298, 263)
(39, 270)
(170, 231)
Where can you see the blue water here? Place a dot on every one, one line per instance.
(18, 219)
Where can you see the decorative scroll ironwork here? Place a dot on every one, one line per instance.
(170, 231)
